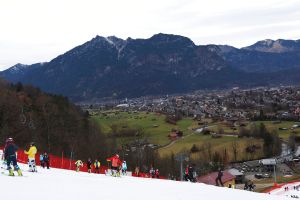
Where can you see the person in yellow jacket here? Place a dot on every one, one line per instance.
(31, 157)
(97, 166)
(78, 164)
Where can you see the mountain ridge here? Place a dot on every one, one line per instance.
(110, 67)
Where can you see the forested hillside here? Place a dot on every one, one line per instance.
(52, 122)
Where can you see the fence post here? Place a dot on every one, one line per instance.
(71, 160)
(62, 160)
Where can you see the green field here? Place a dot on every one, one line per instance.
(284, 134)
(156, 130)
(152, 125)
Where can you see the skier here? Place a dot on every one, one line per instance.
(219, 178)
(186, 173)
(97, 166)
(42, 161)
(152, 172)
(78, 164)
(89, 165)
(46, 159)
(115, 164)
(191, 171)
(31, 157)
(124, 168)
(10, 156)
(156, 173)
(137, 171)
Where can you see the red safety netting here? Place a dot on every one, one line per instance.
(57, 162)
(68, 164)
(277, 186)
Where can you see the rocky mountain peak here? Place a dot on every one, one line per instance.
(275, 46)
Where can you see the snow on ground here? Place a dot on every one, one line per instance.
(57, 184)
(290, 192)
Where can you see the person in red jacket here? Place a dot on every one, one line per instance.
(115, 165)
(186, 173)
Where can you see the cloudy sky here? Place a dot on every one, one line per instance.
(38, 30)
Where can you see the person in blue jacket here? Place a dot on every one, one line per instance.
(42, 161)
(10, 156)
(124, 168)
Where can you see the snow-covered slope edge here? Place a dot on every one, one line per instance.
(63, 185)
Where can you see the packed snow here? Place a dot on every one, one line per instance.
(58, 184)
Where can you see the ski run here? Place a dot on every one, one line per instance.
(58, 184)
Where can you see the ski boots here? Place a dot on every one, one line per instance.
(11, 172)
(19, 172)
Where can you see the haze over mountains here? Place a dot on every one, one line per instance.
(109, 67)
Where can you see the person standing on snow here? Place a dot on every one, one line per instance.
(186, 173)
(31, 157)
(191, 171)
(46, 159)
(78, 164)
(152, 172)
(124, 168)
(219, 178)
(115, 164)
(97, 166)
(42, 161)
(10, 156)
(157, 173)
(89, 165)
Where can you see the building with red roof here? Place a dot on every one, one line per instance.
(210, 179)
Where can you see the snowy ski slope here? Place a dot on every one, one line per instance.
(57, 184)
(289, 192)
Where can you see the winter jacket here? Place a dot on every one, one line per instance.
(115, 161)
(46, 157)
(187, 171)
(220, 174)
(97, 165)
(79, 163)
(89, 164)
(124, 166)
(10, 150)
(190, 171)
(41, 157)
(31, 153)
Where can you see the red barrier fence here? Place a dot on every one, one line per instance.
(68, 164)
(56, 162)
(278, 186)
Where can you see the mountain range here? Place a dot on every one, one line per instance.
(110, 67)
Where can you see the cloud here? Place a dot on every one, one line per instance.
(36, 31)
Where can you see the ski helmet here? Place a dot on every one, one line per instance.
(9, 140)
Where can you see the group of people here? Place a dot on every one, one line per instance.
(249, 185)
(45, 160)
(154, 173)
(189, 173)
(10, 157)
(117, 166)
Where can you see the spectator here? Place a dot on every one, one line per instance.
(89, 165)
(31, 157)
(42, 160)
(219, 178)
(97, 166)
(46, 160)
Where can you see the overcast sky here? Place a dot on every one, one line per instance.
(38, 30)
